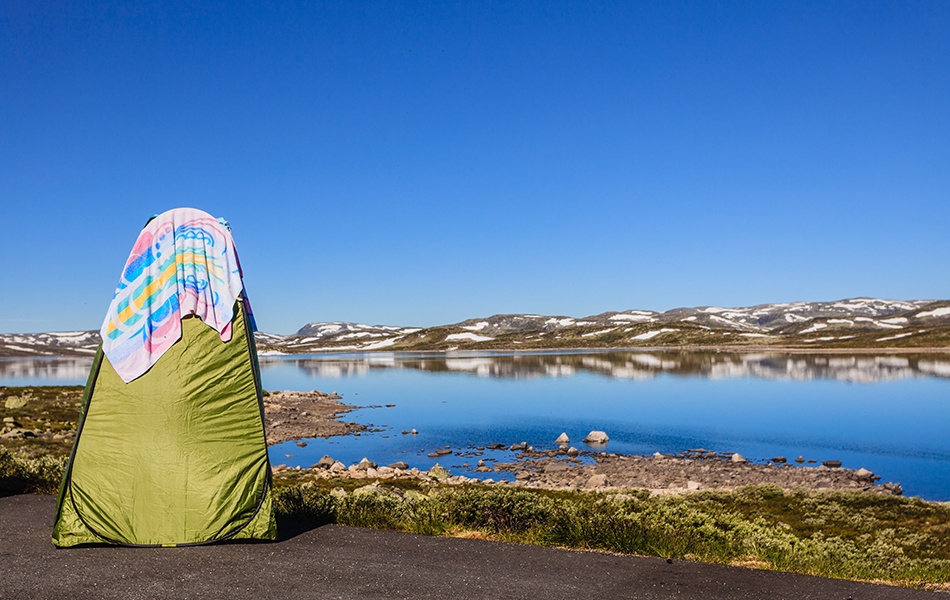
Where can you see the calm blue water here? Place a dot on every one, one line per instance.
(888, 414)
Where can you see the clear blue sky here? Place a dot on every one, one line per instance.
(424, 163)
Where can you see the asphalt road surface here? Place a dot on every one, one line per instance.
(346, 562)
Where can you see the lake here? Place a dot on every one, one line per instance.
(887, 413)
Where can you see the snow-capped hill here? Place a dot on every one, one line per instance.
(867, 323)
(345, 330)
(57, 343)
(496, 325)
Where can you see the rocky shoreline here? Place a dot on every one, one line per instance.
(296, 415)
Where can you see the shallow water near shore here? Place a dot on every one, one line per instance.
(887, 413)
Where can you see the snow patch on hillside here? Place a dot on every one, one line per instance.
(472, 337)
(652, 334)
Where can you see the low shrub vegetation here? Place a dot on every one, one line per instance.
(25, 475)
(849, 535)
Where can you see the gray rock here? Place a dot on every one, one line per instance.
(596, 437)
(572, 451)
(779, 460)
(800, 459)
(562, 439)
(399, 465)
(831, 464)
(324, 463)
(366, 464)
(516, 447)
(337, 467)
(598, 480)
(693, 486)
(555, 467)
(738, 458)
(864, 474)
(414, 432)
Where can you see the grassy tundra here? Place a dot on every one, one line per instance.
(851, 535)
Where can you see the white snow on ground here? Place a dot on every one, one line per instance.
(842, 321)
(22, 349)
(937, 312)
(477, 326)
(821, 339)
(815, 327)
(601, 332)
(359, 334)
(878, 323)
(567, 322)
(652, 334)
(793, 318)
(631, 318)
(894, 337)
(467, 336)
(733, 323)
(894, 320)
(753, 335)
(714, 309)
(693, 318)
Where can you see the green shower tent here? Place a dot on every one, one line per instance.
(176, 456)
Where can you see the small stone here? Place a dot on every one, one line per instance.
(325, 463)
(800, 459)
(598, 480)
(596, 437)
(831, 464)
(414, 432)
(438, 472)
(693, 486)
(301, 444)
(562, 439)
(779, 460)
(572, 451)
(405, 432)
(399, 465)
(555, 467)
(863, 473)
(337, 467)
(365, 464)
(738, 458)
(14, 402)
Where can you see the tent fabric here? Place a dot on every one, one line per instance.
(176, 457)
(183, 263)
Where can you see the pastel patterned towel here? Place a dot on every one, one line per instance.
(183, 263)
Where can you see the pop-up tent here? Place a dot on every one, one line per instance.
(170, 448)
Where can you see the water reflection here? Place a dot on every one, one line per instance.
(44, 371)
(859, 368)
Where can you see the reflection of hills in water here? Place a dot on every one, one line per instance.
(640, 365)
(75, 369)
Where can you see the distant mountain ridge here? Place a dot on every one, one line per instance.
(852, 323)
